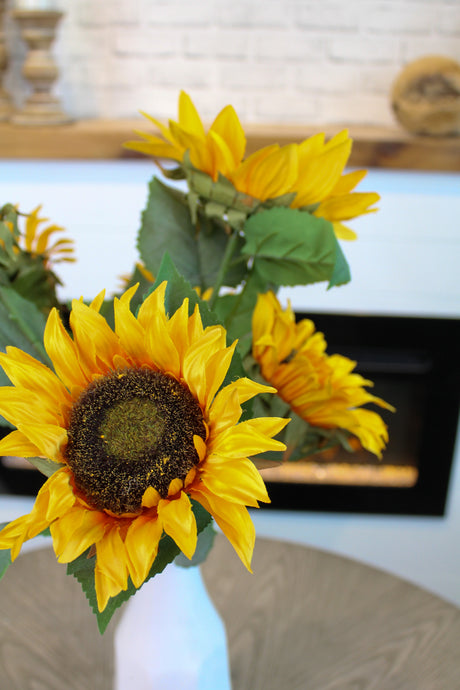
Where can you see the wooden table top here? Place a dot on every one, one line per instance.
(305, 620)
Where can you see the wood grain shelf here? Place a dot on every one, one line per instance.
(103, 139)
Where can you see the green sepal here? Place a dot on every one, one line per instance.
(196, 242)
(290, 247)
(45, 466)
(221, 193)
(82, 568)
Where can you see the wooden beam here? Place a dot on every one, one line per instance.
(373, 147)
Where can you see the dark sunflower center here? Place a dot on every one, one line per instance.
(130, 430)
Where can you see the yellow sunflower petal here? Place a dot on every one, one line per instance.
(96, 342)
(141, 542)
(347, 206)
(228, 127)
(178, 521)
(129, 331)
(76, 531)
(18, 445)
(23, 370)
(48, 438)
(162, 348)
(234, 521)
(62, 352)
(237, 481)
(250, 437)
(188, 115)
(14, 534)
(111, 571)
(342, 232)
(152, 306)
(22, 406)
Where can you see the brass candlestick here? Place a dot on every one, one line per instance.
(38, 29)
(6, 106)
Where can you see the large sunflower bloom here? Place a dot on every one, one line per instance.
(322, 389)
(312, 169)
(137, 425)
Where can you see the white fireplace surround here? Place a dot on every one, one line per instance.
(405, 262)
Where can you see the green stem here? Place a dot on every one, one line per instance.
(228, 255)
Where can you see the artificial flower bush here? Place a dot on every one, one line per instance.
(146, 411)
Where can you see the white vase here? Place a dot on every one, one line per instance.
(170, 636)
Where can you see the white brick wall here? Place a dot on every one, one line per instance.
(312, 61)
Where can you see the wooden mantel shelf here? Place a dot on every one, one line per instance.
(103, 139)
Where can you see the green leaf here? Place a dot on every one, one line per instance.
(5, 559)
(167, 227)
(83, 570)
(21, 325)
(5, 555)
(235, 310)
(212, 242)
(291, 247)
(341, 273)
(8, 242)
(197, 249)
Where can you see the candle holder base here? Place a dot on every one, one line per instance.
(38, 28)
(38, 112)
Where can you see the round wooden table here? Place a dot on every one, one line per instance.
(305, 620)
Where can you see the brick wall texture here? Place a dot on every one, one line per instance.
(276, 61)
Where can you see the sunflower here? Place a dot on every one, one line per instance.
(219, 150)
(38, 242)
(322, 389)
(136, 425)
(311, 170)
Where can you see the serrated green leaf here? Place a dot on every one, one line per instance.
(341, 273)
(5, 555)
(82, 568)
(212, 243)
(167, 227)
(290, 247)
(21, 324)
(173, 225)
(235, 310)
(5, 559)
(8, 242)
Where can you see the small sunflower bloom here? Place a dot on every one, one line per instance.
(138, 424)
(322, 389)
(219, 150)
(41, 242)
(312, 170)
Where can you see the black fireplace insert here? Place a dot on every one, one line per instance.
(415, 365)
